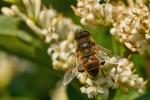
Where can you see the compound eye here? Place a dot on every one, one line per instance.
(81, 34)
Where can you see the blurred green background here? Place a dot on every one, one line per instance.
(25, 67)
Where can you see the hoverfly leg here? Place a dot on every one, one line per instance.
(80, 68)
(116, 69)
(103, 72)
(102, 61)
(113, 80)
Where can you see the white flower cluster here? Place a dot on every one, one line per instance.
(57, 30)
(93, 13)
(120, 76)
(130, 23)
(60, 54)
(63, 46)
(133, 28)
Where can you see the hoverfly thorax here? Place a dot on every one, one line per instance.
(83, 39)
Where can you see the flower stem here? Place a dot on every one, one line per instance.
(147, 65)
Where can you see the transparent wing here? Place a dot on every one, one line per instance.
(106, 56)
(71, 71)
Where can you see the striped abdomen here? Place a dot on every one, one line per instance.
(91, 65)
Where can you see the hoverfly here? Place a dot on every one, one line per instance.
(89, 57)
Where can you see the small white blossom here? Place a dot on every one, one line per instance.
(8, 11)
(93, 13)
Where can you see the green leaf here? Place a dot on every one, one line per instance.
(22, 43)
(130, 95)
(9, 26)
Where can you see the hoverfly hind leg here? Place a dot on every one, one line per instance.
(102, 62)
(116, 69)
(103, 72)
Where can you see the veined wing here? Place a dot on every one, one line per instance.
(106, 55)
(71, 71)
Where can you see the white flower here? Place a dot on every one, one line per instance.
(8, 11)
(121, 75)
(133, 28)
(93, 13)
(130, 23)
(57, 30)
